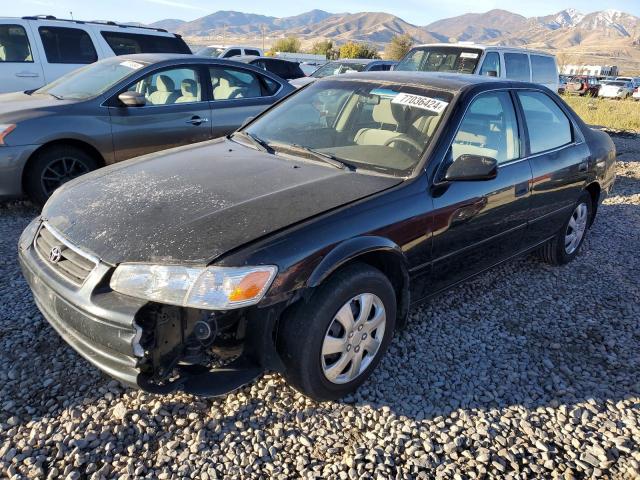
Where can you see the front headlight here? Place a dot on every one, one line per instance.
(211, 288)
(6, 129)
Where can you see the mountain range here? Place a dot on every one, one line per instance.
(608, 36)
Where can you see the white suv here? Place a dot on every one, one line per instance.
(35, 51)
(496, 61)
(218, 51)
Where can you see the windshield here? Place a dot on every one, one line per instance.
(337, 68)
(210, 51)
(441, 59)
(92, 80)
(375, 126)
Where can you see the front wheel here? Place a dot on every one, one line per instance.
(53, 167)
(332, 343)
(565, 245)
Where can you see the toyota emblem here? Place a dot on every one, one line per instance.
(55, 254)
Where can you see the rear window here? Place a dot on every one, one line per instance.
(517, 66)
(543, 69)
(14, 44)
(67, 45)
(248, 51)
(130, 43)
(441, 59)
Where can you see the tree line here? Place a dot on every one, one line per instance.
(395, 49)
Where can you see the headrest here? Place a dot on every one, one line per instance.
(188, 87)
(224, 82)
(382, 112)
(165, 84)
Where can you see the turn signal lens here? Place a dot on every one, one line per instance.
(249, 287)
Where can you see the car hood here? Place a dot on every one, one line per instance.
(193, 204)
(16, 107)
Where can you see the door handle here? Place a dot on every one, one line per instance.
(521, 189)
(195, 120)
(27, 75)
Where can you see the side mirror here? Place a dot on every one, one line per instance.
(246, 122)
(132, 99)
(472, 167)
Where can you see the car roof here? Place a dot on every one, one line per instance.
(480, 46)
(250, 58)
(352, 60)
(452, 82)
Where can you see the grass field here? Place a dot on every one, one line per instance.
(612, 114)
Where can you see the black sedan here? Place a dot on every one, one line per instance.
(299, 243)
(283, 68)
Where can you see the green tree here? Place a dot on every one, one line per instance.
(289, 44)
(358, 50)
(322, 47)
(398, 47)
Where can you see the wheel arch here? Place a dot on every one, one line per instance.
(85, 146)
(594, 190)
(378, 252)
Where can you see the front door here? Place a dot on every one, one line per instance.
(479, 223)
(176, 113)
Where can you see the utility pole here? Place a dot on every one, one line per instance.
(263, 28)
(224, 35)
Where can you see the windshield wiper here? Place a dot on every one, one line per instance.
(257, 141)
(57, 97)
(329, 158)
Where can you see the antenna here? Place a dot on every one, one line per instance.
(71, 13)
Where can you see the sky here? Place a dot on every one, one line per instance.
(413, 11)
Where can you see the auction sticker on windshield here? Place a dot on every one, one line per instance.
(418, 101)
(131, 64)
(468, 55)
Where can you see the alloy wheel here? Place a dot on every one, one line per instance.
(60, 171)
(576, 228)
(353, 338)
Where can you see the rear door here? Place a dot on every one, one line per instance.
(20, 67)
(237, 94)
(559, 159)
(177, 112)
(63, 48)
(479, 223)
(516, 66)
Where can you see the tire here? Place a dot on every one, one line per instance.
(557, 251)
(305, 328)
(54, 166)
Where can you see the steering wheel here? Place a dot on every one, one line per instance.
(406, 140)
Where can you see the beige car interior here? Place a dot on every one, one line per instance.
(189, 90)
(165, 92)
(14, 51)
(226, 86)
(396, 121)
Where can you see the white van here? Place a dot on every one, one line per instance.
(503, 62)
(35, 51)
(218, 51)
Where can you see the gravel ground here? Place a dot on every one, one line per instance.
(528, 371)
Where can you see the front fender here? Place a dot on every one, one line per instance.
(350, 249)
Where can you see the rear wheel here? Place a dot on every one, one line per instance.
(53, 167)
(565, 245)
(332, 343)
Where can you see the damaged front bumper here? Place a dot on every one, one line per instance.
(157, 348)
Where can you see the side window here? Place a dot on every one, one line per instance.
(128, 43)
(251, 52)
(491, 64)
(178, 85)
(67, 45)
(517, 66)
(234, 52)
(544, 70)
(489, 129)
(14, 44)
(547, 124)
(230, 83)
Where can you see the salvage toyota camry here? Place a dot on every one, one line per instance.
(299, 243)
